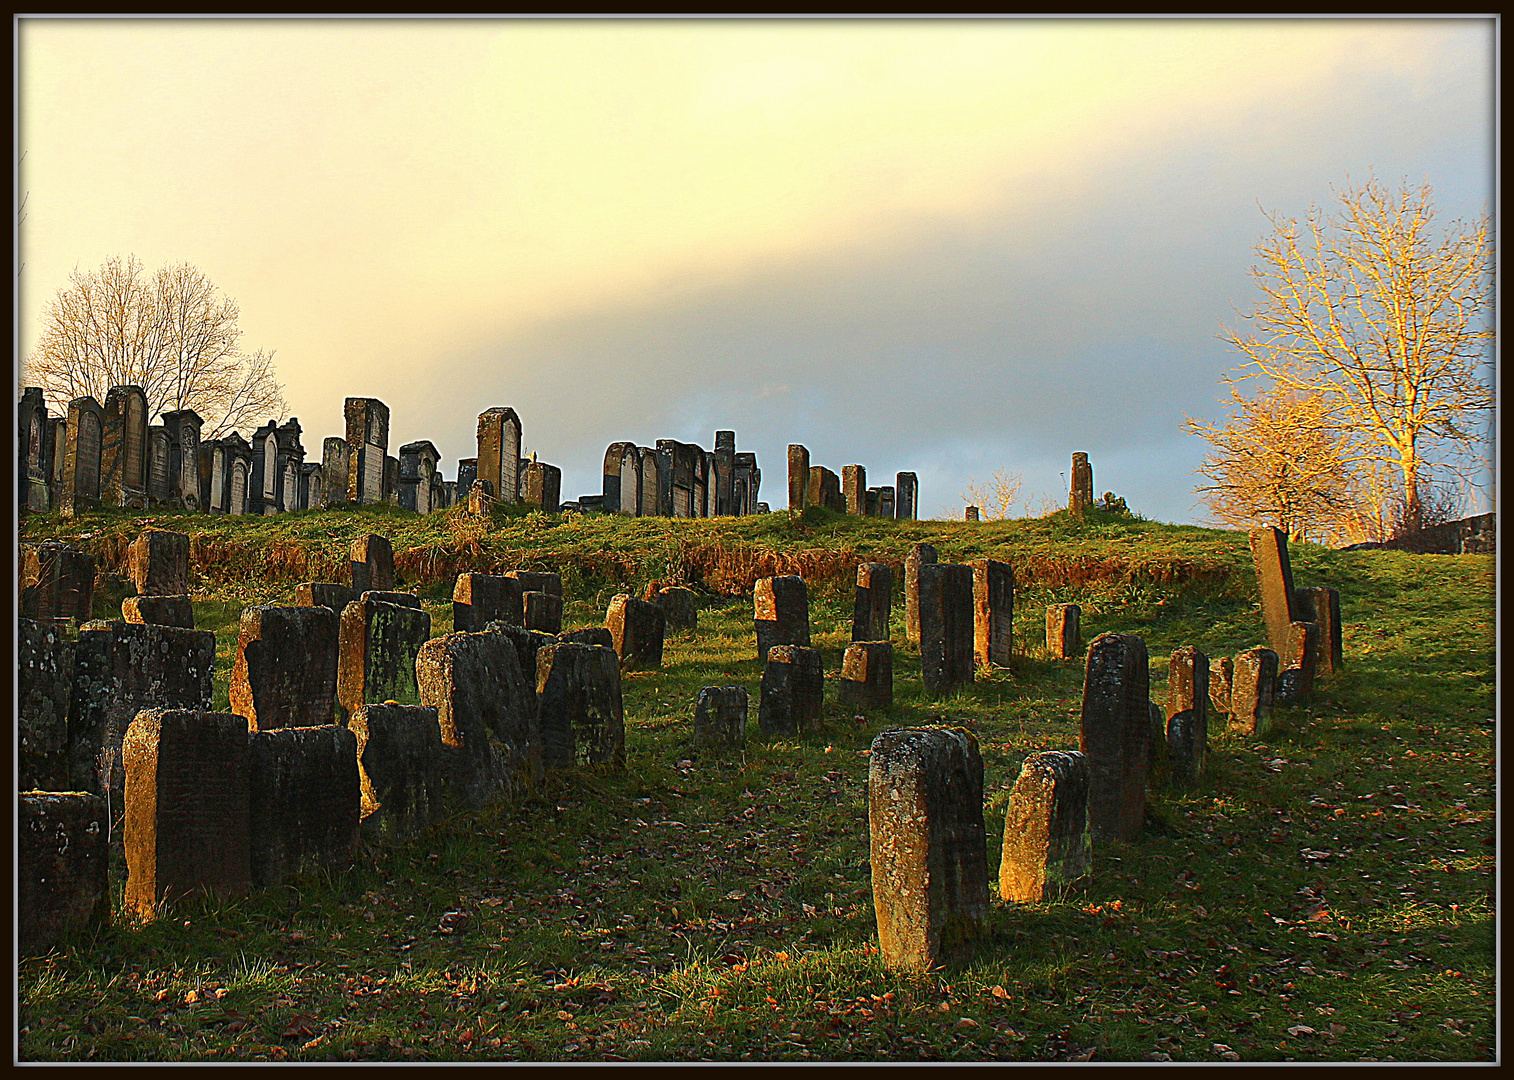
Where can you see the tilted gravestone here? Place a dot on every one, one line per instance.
(323, 594)
(1064, 633)
(159, 610)
(1274, 580)
(867, 675)
(187, 802)
(372, 564)
(402, 773)
(993, 611)
(946, 627)
(61, 854)
(486, 708)
(543, 611)
(1188, 692)
(919, 555)
(582, 716)
(44, 681)
(873, 604)
(57, 582)
(525, 642)
(799, 476)
(720, 715)
(479, 599)
(825, 489)
(285, 671)
(1046, 842)
(304, 802)
(590, 635)
(637, 629)
(1295, 682)
(158, 563)
(1251, 690)
(781, 612)
(1115, 735)
(928, 846)
(377, 646)
(403, 599)
(1221, 675)
(1321, 604)
(792, 691)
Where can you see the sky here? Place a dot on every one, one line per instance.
(942, 246)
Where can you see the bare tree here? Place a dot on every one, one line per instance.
(996, 498)
(1387, 320)
(172, 334)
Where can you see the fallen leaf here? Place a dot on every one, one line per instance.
(1000, 992)
(1300, 1029)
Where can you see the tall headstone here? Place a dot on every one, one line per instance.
(873, 604)
(1115, 735)
(33, 476)
(993, 611)
(919, 555)
(123, 452)
(781, 612)
(499, 431)
(159, 453)
(582, 715)
(793, 691)
(367, 448)
(619, 482)
(1064, 634)
(417, 467)
(81, 464)
(158, 563)
(183, 428)
(907, 494)
(799, 476)
(372, 563)
(854, 489)
(335, 463)
(637, 629)
(946, 627)
(720, 716)
(725, 474)
(867, 675)
(304, 802)
(379, 642)
(971, 514)
(1295, 680)
(1081, 494)
(61, 853)
(1322, 605)
(402, 773)
(1187, 692)
(44, 681)
(928, 846)
(1046, 841)
(1274, 580)
(887, 507)
(1251, 690)
(285, 670)
(479, 599)
(748, 483)
(542, 487)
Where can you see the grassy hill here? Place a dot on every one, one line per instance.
(1324, 894)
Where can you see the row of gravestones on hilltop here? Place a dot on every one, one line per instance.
(109, 455)
(226, 801)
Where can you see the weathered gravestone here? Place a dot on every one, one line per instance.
(907, 494)
(825, 489)
(720, 715)
(854, 488)
(867, 675)
(336, 464)
(993, 611)
(479, 599)
(799, 476)
(1187, 692)
(402, 772)
(1295, 682)
(81, 463)
(1064, 634)
(61, 855)
(367, 449)
(372, 563)
(123, 448)
(872, 499)
(541, 486)
(1158, 765)
(1046, 842)
(1321, 605)
(1115, 735)
(323, 594)
(57, 582)
(1081, 494)
(946, 627)
(285, 671)
(44, 681)
(1221, 676)
(159, 610)
(589, 635)
(486, 707)
(543, 611)
(886, 502)
(32, 467)
(1185, 749)
(1251, 691)
(304, 801)
(582, 717)
(525, 642)
(498, 462)
(403, 599)
(873, 604)
(781, 612)
(637, 629)
(929, 849)
(971, 514)
(1274, 581)
(378, 644)
(120, 669)
(187, 802)
(678, 603)
(792, 691)
(158, 563)
(919, 555)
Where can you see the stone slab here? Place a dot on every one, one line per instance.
(582, 715)
(1115, 735)
(62, 887)
(304, 801)
(1047, 848)
(285, 670)
(792, 691)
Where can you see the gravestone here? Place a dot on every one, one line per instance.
(498, 463)
(467, 472)
(34, 451)
(1115, 735)
(724, 456)
(417, 468)
(285, 671)
(993, 611)
(335, 465)
(404, 599)
(886, 502)
(720, 715)
(919, 555)
(304, 802)
(537, 581)
(652, 484)
(81, 462)
(61, 854)
(44, 682)
(871, 501)
(1221, 675)
(543, 611)
(854, 488)
(678, 603)
(486, 707)
(582, 717)
(159, 610)
(378, 645)
(372, 563)
(792, 691)
(1251, 690)
(158, 563)
(1274, 580)
(367, 448)
(57, 582)
(542, 487)
(391, 480)
(1046, 842)
(123, 449)
(183, 428)
(1185, 748)
(1188, 691)
(825, 490)
(1295, 680)
(928, 846)
(614, 476)
(402, 773)
(799, 476)
(323, 594)
(241, 470)
(525, 642)
(907, 496)
(1081, 494)
(971, 514)
(591, 635)
(187, 802)
(637, 628)
(479, 599)
(946, 627)
(1321, 604)
(1064, 634)
(867, 675)
(56, 435)
(1157, 764)
(873, 603)
(480, 501)
(781, 612)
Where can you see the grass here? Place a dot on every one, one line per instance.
(1325, 894)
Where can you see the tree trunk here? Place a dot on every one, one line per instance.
(1413, 512)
